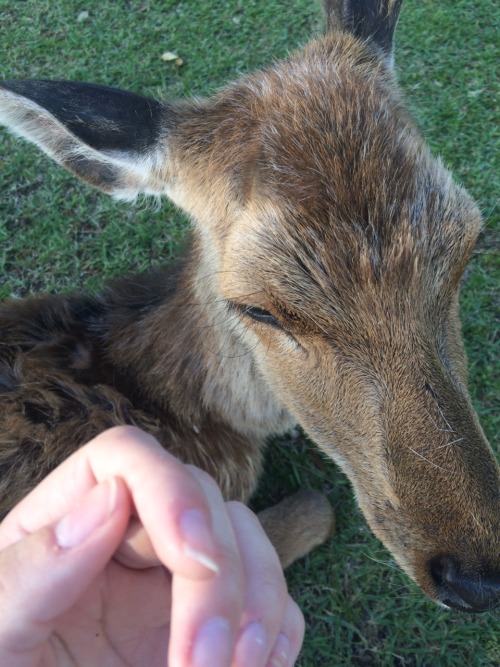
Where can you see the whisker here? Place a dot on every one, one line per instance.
(448, 444)
(425, 459)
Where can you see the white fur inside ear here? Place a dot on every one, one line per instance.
(145, 172)
(28, 120)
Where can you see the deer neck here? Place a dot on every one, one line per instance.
(192, 362)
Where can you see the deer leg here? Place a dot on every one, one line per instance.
(298, 524)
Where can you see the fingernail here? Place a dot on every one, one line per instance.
(252, 647)
(93, 511)
(213, 644)
(198, 540)
(280, 655)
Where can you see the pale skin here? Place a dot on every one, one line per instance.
(124, 556)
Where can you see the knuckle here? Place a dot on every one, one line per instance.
(295, 619)
(274, 587)
(240, 510)
(267, 599)
(205, 479)
(243, 516)
(234, 587)
(231, 565)
(125, 435)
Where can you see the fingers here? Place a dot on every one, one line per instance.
(288, 643)
(242, 617)
(230, 603)
(266, 594)
(167, 499)
(45, 573)
(271, 626)
(206, 613)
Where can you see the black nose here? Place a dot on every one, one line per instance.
(464, 591)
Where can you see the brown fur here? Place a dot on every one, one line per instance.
(320, 287)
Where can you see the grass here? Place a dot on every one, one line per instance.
(56, 234)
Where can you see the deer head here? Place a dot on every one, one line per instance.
(335, 244)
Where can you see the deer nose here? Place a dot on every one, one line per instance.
(466, 592)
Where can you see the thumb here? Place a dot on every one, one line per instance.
(45, 573)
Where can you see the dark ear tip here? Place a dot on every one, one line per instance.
(124, 120)
(370, 20)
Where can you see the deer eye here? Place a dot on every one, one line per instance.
(259, 315)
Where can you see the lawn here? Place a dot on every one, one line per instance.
(56, 234)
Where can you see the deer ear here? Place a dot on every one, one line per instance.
(112, 139)
(373, 20)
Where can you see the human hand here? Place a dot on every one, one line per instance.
(124, 555)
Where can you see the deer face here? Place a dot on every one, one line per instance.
(369, 361)
(343, 268)
(334, 245)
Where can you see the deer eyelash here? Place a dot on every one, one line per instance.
(257, 314)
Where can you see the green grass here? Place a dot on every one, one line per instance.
(56, 234)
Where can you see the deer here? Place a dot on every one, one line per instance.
(319, 287)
